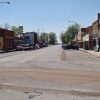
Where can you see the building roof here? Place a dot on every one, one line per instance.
(94, 22)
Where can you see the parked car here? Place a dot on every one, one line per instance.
(70, 46)
(24, 47)
(32, 46)
(37, 46)
(64, 46)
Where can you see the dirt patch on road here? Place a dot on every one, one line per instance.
(63, 55)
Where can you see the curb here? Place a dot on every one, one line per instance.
(1, 51)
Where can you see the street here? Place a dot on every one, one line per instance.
(49, 74)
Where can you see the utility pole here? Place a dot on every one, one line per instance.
(39, 32)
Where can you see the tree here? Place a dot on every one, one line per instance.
(67, 35)
(52, 38)
(17, 30)
(20, 30)
(6, 26)
(70, 33)
(73, 30)
(63, 38)
(44, 37)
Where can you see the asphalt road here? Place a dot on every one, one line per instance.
(49, 74)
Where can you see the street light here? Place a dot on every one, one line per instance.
(5, 2)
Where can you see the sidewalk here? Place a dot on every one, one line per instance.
(91, 52)
(1, 51)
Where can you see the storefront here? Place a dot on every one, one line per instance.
(86, 42)
(79, 40)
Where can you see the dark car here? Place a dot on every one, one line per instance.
(21, 47)
(32, 46)
(70, 46)
(64, 46)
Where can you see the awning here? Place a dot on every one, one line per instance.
(79, 38)
(86, 37)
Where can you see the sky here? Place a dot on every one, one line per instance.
(49, 15)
